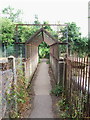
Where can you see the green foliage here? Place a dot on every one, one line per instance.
(10, 97)
(63, 108)
(11, 14)
(19, 93)
(25, 32)
(76, 43)
(48, 28)
(57, 90)
(7, 30)
(70, 108)
(8, 36)
(36, 21)
(81, 46)
(44, 50)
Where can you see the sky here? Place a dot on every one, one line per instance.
(53, 11)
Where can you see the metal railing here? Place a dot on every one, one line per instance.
(78, 84)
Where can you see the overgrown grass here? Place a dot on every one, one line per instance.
(66, 108)
(70, 109)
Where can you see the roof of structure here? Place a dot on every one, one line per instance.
(41, 35)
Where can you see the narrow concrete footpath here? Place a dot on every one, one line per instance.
(42, 87)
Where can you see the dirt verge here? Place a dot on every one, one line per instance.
(29, 104)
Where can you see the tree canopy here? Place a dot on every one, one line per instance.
(7, 31)
(12, 14)
(76, 42)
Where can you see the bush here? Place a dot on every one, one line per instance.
(57, 90)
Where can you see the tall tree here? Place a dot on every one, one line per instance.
(12, 14)
(46, 26)
(36, 21)
(76, 42)
(7, 30)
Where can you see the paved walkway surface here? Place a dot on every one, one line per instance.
(42, 87)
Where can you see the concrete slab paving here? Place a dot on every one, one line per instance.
(42, 87)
